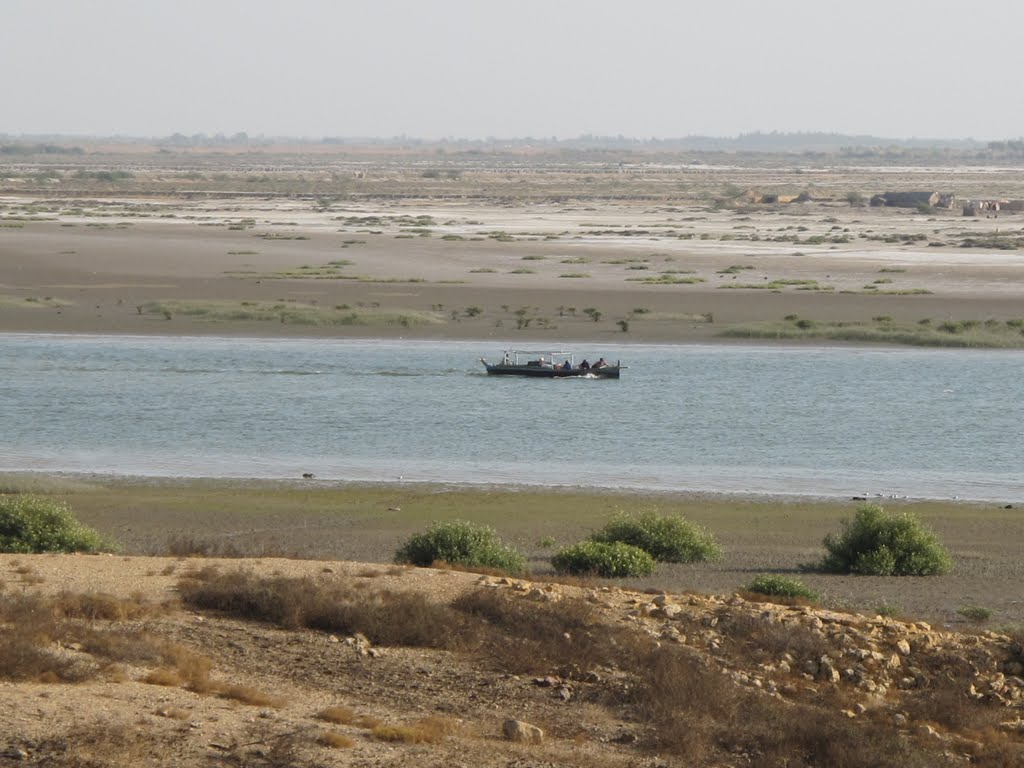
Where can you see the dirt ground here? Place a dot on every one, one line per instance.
(252, 692)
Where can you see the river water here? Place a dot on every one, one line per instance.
(737, 419)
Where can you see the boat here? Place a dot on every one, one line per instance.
(544, 364)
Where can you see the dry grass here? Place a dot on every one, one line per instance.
(429, 730)
(174, 713)
(523, 637)
(107, 745)
(333, 605)
(99, 607)
(164, 676)
(337, 715)
(335, 740)
(764, 637)
(246, 694)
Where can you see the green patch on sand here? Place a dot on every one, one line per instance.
(288, 313)
(31, 302)
(957, 334)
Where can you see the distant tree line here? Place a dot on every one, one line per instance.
(39, 149)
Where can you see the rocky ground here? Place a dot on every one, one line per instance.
(115, 661)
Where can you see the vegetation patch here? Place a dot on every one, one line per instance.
(878, 544)
(666, 538)
(666, 279)
(31, 302)
(964, 333)
(613, 560)
(288, 313)
(461, 543)
(774, 585)
(386, 618)
(31, 523)
(778, 285)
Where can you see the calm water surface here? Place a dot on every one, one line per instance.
(746, 419)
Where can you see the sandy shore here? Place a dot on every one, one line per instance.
(438, 270)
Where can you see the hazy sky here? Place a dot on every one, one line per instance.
(453, 68)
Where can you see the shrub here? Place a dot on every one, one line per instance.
(34, 524)
(878, 544)
(975, 613)
(461, 543)
(610, 560)
(666, 538)
(780, 586)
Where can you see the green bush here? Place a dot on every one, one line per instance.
(975, 613)
(35, 524)
(780, 586)
(667, 538)
(610, 560)
(458, 542)
(878, 544)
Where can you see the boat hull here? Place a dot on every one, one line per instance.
(536, 372)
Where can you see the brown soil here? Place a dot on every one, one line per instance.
(284, 680)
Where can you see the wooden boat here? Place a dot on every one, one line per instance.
(550, 365)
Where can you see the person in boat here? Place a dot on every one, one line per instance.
(567, 365)
(599, 364)
(507, 359)
(584, 366)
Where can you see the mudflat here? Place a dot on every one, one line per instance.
(483, 261)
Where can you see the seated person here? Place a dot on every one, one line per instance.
(584, 366)
(600, 363)
(566, 366)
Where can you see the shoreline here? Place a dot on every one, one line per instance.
(366, 522)
(55, 479)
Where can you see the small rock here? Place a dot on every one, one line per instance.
(520, 730)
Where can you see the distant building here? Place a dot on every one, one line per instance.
(906, 199)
